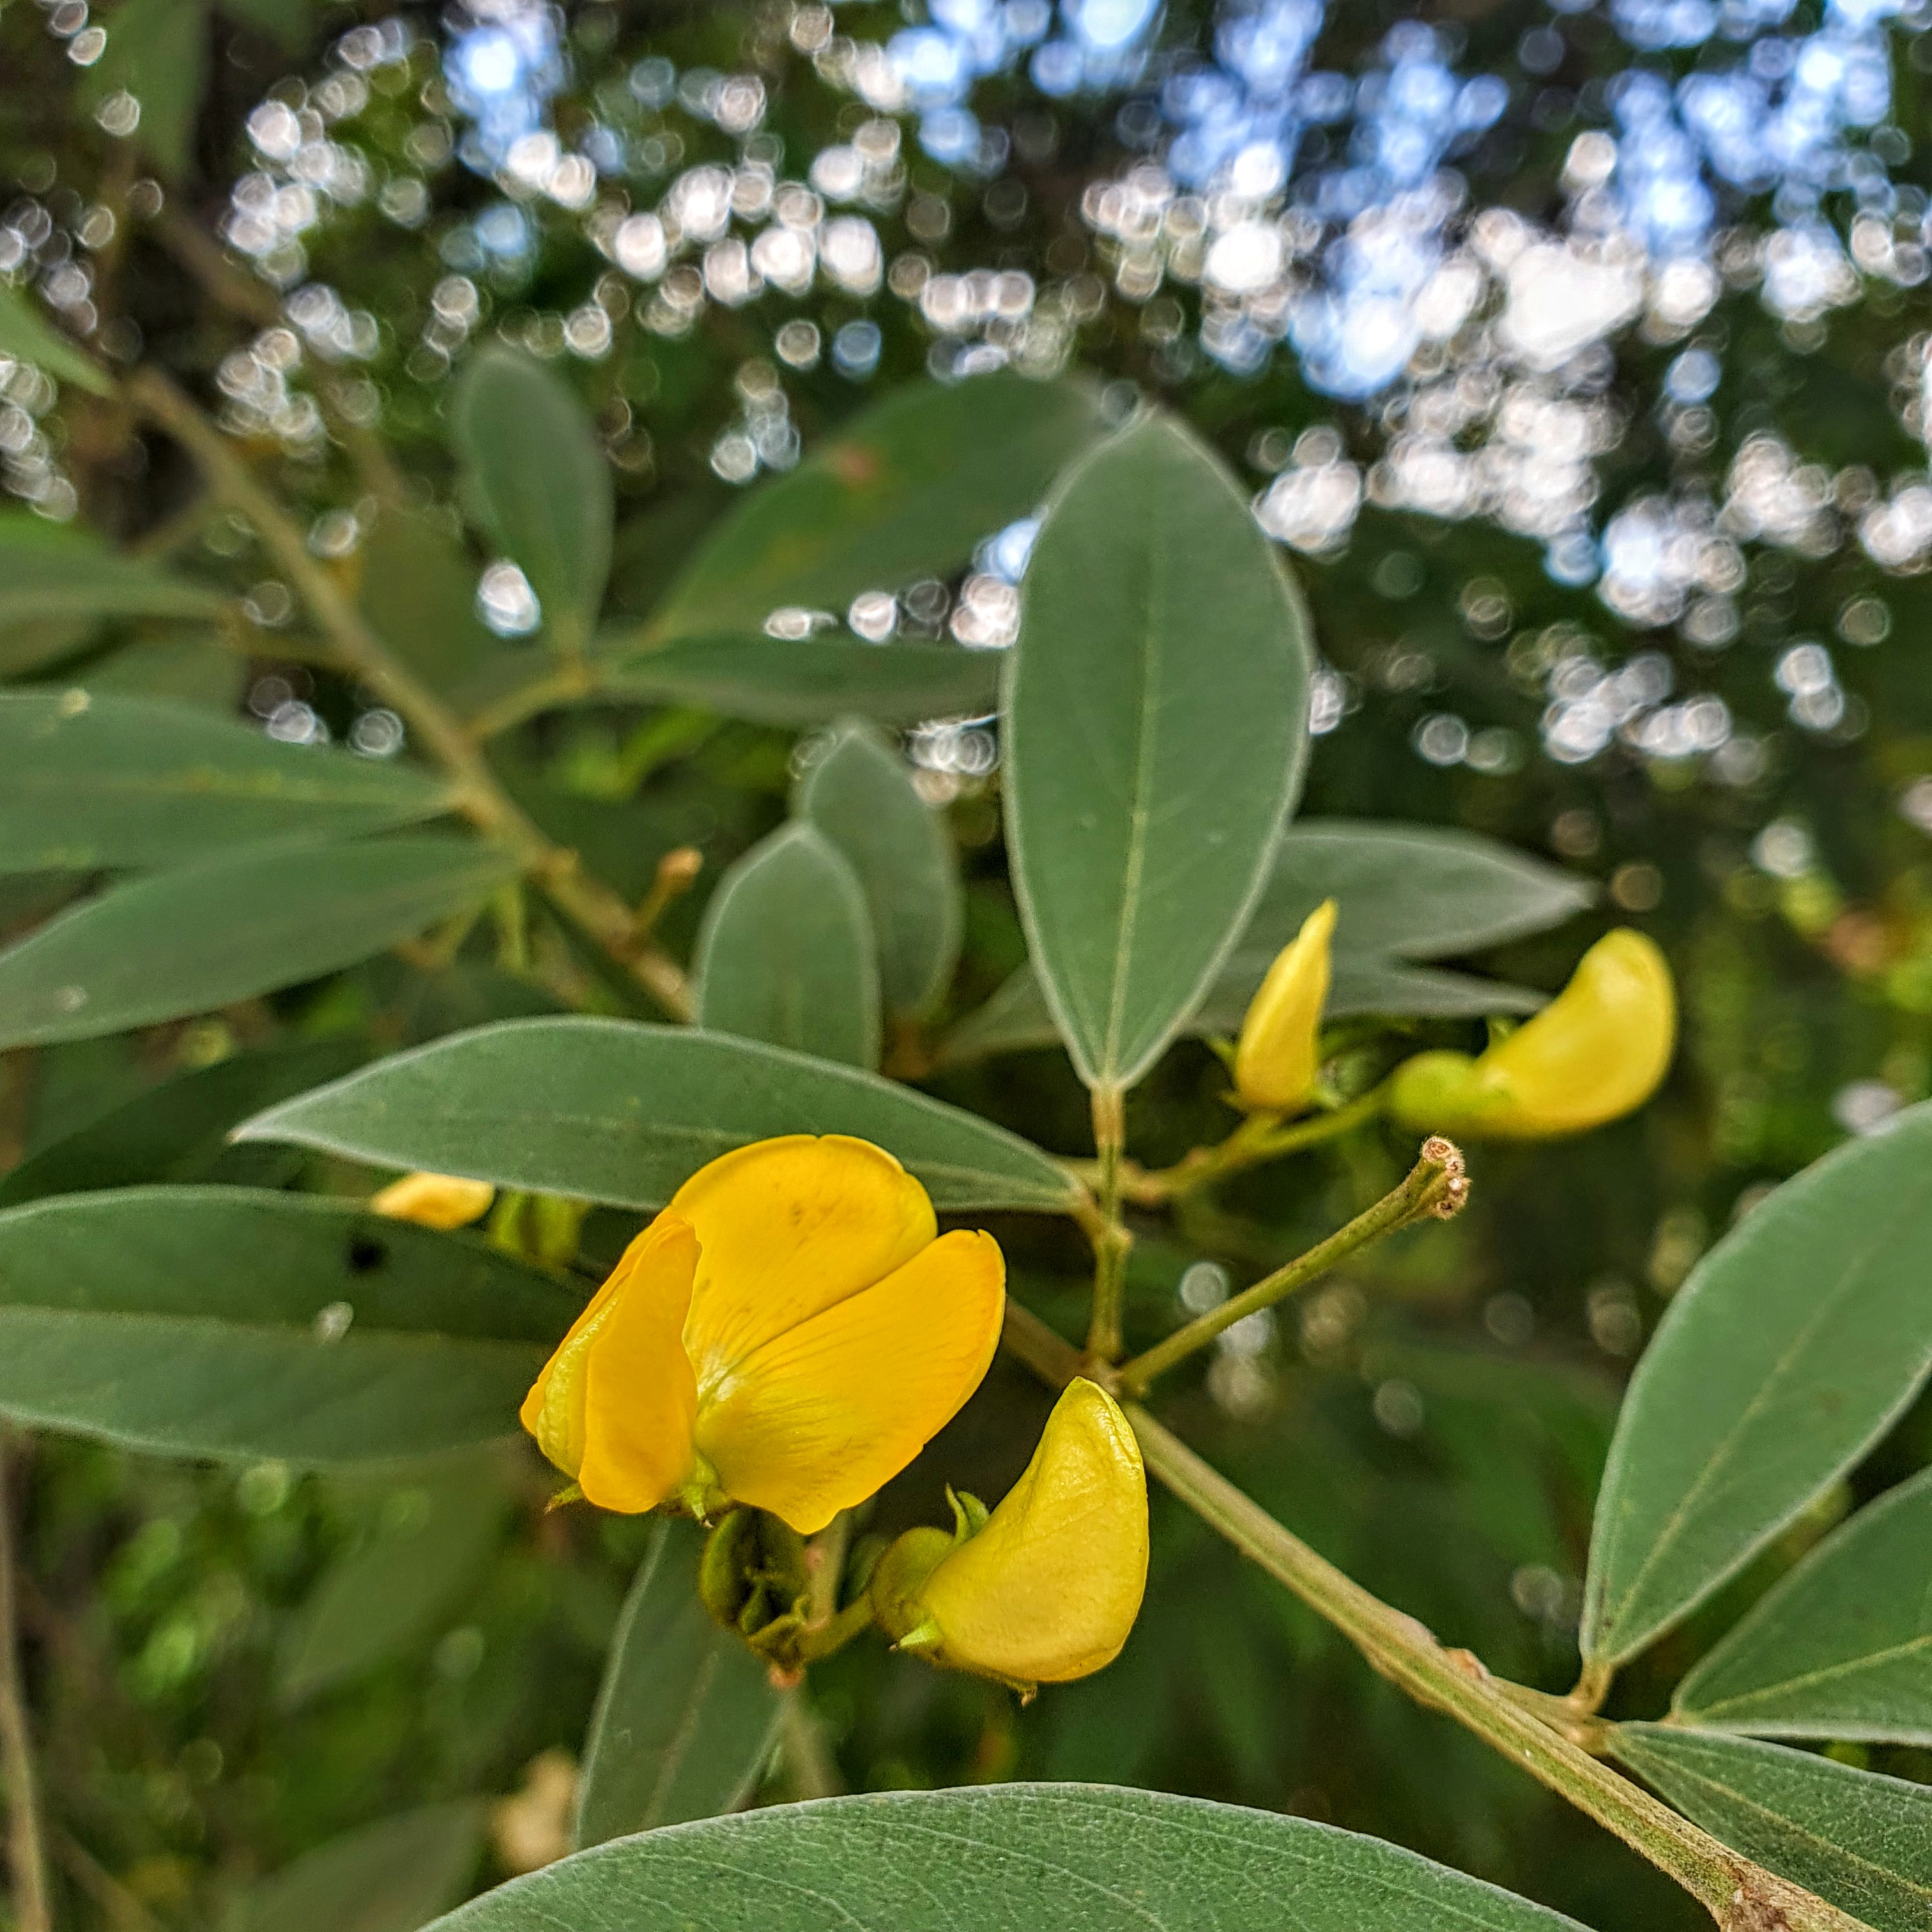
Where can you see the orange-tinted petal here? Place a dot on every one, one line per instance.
(825, 1413)
(787, 1229)
(443, 1201)
(1278, 1055)
(614, 1405)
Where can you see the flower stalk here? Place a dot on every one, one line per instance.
(1436, 1188)
(1112, 1242)
(26, 1838)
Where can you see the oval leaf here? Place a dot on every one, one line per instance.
(904, 490)
(619, 1111)
(235, 925)
(1860, 1841)
(50, 571)
(805, 680)
(1156, 722)
(90, 781)
(227, 1322)
(1840, 1648)
(419, 589)
(534, 471)
(860, 795)
(1078, 1858)
(393, 1876)
(1407, 892)
(179, 1130)
(786, 953)
(1794, 1345)
(685, 1714)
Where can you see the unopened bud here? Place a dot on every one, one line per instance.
(443, 1201)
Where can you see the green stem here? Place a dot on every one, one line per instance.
(26, 1838)
(1112, 1242)
(1740, 1896)
(814, 1771)
(359, 652)
(1436, 1187)
(1255, 1141)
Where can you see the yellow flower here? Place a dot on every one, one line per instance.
(1276, 1059)
(1597, 1051)
(1046, 1589)
(787, 1334)
(434, 1200)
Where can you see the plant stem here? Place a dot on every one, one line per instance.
(566, 682)
(26, 1844)
(814, 1773)
(1740, 1896)
(359, 652)
(1111, 1241)
(1255, 1141)
(1436, 1187)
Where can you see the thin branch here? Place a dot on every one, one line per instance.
(360, 653)
(1741, 1897)
(26, 1840)
(1436, 1188)
(814, 1771)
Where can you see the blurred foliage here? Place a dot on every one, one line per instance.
(233, 1668)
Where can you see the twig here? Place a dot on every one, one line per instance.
(26, 1843)
(359, 652)
(1741, 1897)
(814, 1772)
(1436, 1187)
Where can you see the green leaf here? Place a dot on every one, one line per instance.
(285, 22)
(1861, 1841)
(419, 591)
(393, 1876)
(1841, 1647)
(859, 794)
(1793, 1346)
(234, 1323)
(786, 955)
(1078, 1858)
(401, 1588)
(179, 1131)
(157, 52)
(904, 490)
(534, 473)
(177, 666)
(1151, 756)
(807, 680)
(26, 335)
(91, 781)
(51, 572)
(229, 928)
(620, 1112)
(1407, 892)
(686, 1715)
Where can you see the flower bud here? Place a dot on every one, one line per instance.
(443, 1201)
(1597, 1051)
(1046, 1589)
(1277, 1057)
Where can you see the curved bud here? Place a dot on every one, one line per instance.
(1048, 1590)
(444, 1200)
(1597, 1051)
(1277, 1058)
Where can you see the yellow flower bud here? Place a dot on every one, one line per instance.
(434, 1200)
(1276, 1058)
(788, 1334)
(1597, 1051)
(1046, 1589)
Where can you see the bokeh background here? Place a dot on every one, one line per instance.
(1579, 356)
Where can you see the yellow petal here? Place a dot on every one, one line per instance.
(1277, 1058)
(825, 1413)
(1597, 1051)
(614, 1405)
(789, 1228)
(1049, 1589)
(443, 1201)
